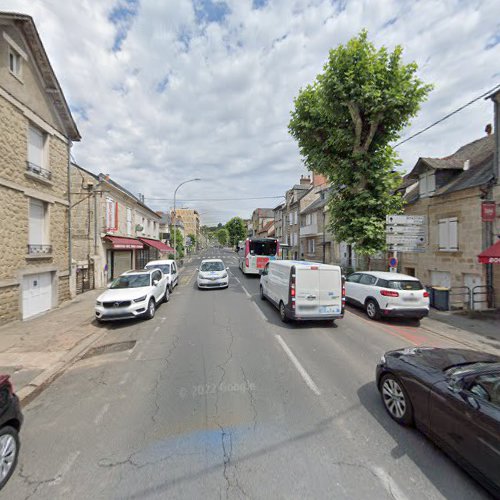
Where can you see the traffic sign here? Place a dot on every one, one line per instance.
(393, 262)
(409, 249)
(405, 239)
(413, 229)
(406, 219)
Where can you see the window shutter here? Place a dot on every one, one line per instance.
(422, 185)
(431, 183)
(116, 216)
(453, 234)
(443, 234)
(35, 147)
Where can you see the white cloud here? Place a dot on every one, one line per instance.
(212, 100)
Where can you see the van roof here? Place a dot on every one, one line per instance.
(156, 262)
(389, 276)
(304, 263)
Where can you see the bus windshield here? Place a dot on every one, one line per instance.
(263, 247)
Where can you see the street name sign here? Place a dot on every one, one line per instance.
(413, 229)
(417, 220)
(410, 249)
(405, 239)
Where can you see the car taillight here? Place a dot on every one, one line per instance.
(292, 290)
(314, 268)
(426, 294)
(247, 262)
(389, 293)
(5, 382)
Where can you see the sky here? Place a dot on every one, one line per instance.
(164, 91)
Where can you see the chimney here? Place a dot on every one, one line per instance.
(304, 180)
(466, 164)
(488, 129)
(318, 179)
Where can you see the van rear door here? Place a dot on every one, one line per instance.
(330, 291)
(307, 291)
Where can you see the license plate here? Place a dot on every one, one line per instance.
(329, 310)
(410, 299)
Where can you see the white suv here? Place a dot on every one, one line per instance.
(384, 294)
(133, 294)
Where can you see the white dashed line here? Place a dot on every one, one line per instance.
(246, 292)
(388, 483)
(260, 313)
(100, 415)
(303, 373)
(157, 329)
(66, 466)
(124, 378)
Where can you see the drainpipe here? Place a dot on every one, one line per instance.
(70, 242)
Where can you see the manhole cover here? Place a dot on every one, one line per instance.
(109, 348)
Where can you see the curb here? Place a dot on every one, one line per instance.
(39, 383)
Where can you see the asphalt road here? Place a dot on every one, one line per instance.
(218, 398)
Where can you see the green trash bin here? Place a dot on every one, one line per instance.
(441, 297)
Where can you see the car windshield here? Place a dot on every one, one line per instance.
(131, 281)
(212, 266)
(403, 284)
(164, 268)
(260, 247)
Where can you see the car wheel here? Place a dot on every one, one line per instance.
(283, 315)
(150, 313)
(9, 452)
(166, 297)
(396, 400)
(372, 309)
(262, 296)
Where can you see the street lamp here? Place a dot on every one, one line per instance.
(175, 214)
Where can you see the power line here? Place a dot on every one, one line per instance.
(448, 115)
(217, 199)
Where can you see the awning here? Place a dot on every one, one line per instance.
(491, 255)
(120, 243)
(159, 245)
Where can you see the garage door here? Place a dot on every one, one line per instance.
(122, 261)
(37, 294)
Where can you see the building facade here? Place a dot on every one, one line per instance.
(36, 133)
(261, 217)
(190, 220)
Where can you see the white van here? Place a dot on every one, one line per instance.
(304, 290)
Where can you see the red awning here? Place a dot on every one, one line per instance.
(490, 255)
(120, 243)
(159, 245)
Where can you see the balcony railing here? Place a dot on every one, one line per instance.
(39, 249)
(309, 230)
(37, 170)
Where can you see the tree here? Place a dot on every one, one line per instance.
(344, 123)
(179, 241)
(236, 229)
(192, 237)
(222, 236)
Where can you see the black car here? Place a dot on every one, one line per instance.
(453, 396)
(11, 420)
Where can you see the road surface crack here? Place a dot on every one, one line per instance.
(252, 398)
(36, 483)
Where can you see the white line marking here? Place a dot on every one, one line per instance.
(388, 483)
(157, 329)
(125, 378)
(307, 379)
(139, 356)
(163, 320)
(246, 292)
(100, 415)
(66, 466)
(260, 313)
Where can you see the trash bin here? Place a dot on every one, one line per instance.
(430, 291)
(441, 297)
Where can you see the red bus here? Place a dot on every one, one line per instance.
(255, 253)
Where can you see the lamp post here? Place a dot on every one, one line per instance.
(175, 214)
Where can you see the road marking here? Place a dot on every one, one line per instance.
(124, 378)
(139, 356)
(157, 329)
(388, 483)
(246, 292)
(163, 320)
(66, 466)
(303, 373)
(259, 311)
(100, 415)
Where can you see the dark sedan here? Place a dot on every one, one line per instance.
(453, 396)
(11, 420)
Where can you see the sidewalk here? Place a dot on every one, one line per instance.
(35, 351)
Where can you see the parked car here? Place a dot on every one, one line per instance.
(169, 268)
(133, 294)
(11, 420)
(453, 396)
(212, 273)
(384, 294)
(303, 290)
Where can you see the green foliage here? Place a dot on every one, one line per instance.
(344, 123)
(193, 239)
(222, 236)
(237, 230)
(179, 242)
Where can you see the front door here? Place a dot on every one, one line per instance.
(478, 295)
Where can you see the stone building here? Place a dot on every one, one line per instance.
(189, 219)
(36, 134)
(260, 217)
(449, 192)
(113, 230)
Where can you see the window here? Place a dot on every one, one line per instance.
(448, 235)
(310, 219)
(310, 246)
(111, 215)
(129, 221)
(295, 239)
(427, 184)
(37, 231)
(411, 285)
(164, 268)
(367, 279)
(36, 149)
(15, 62)
(354, 278)
(156, 276)
(487, 387)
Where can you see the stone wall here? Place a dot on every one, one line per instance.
(9, 303)
(64, 289)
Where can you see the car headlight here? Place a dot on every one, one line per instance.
(98, 303)
(382, 359)
(140, 299)
(224, 275)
